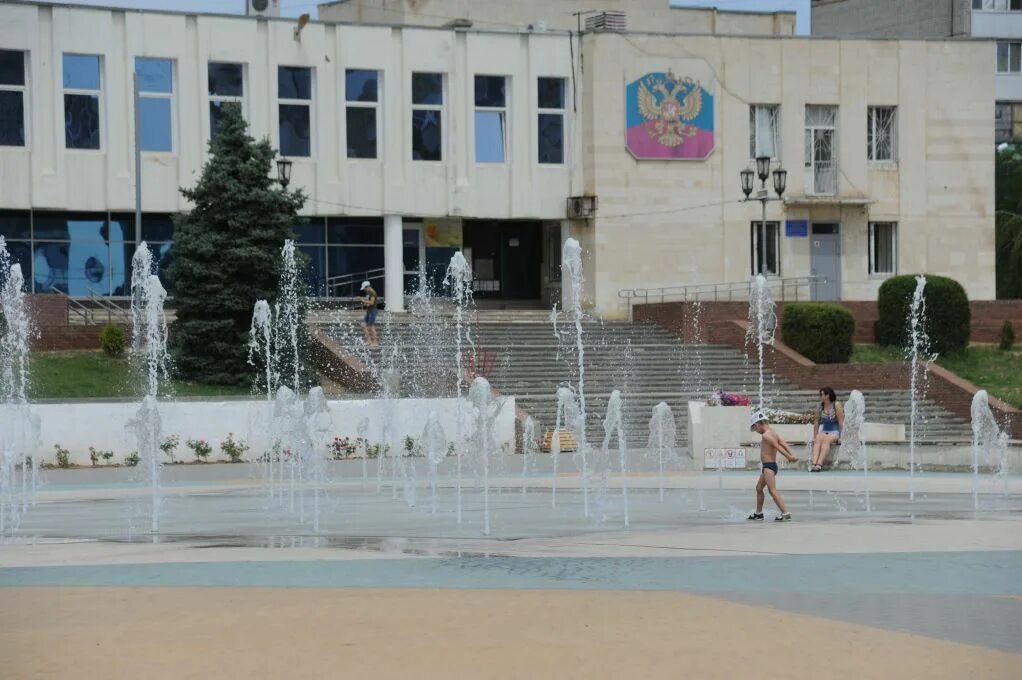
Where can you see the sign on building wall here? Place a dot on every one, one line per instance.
(443, 233)
(670, 115)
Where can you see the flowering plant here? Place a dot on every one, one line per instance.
(169, 444)
(788, 417)
(719, 398)
(200, 447)
(343, 447)
(232, 448)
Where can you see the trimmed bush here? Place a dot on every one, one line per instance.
(1007, 336)
(821, 331)
(948, 316)
(111, 338)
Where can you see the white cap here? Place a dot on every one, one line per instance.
(756, 418)
(365, 284)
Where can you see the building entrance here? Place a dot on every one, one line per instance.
(506, 258)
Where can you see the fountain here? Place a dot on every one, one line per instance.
(661, 442)
(149, 345)
(612, 426)
(571, 264)
(762, 324)
(260, 346)
(853, 439)
(483, 441)
(529, 450)
(459, 278)
(988, 439)
(434, 446)
(318, 425)
(918, 347)
(290, 319)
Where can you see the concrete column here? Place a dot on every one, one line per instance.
(393, 264)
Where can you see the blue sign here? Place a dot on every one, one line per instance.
(796, 228)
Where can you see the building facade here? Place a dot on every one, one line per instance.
(416, 141)
(996, 20)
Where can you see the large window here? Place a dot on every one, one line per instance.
(766, 248)
(427, 116)
(294, 92)
(12, 98)
(491, 119)
(82, 254)
(883, 248)
(155, 103)
(821, 149)
(998, 5)
(362, 92)
(881, 127)
(226, 86)
(763, 131)
(551, 98)
(1009, 57)
(82, 100)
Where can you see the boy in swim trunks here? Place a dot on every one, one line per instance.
(769, 446)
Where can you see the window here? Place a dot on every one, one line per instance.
(1008, 122)
(766, 249)
(821, 149)
(998, 5)
(362, 91)
(1009, 57)
(883, 248)
(491, 118)
(880, 131)
(763, 132)
(155, 95)
(12, 98)
(427, 116)
(294, 92)
(82, 254)
(82, 89)
(226, 85)
(551, 120)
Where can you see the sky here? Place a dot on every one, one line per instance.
(296, 7)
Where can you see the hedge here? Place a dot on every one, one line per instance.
(821, 331)
(948, 317)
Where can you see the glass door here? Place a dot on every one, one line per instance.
(413, 253)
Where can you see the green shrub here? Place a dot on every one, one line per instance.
(132, 459)
(111, 338)
(63, 456)
(1007, 336)
(948, 317)
(821, 331)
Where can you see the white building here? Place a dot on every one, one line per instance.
(414, 141)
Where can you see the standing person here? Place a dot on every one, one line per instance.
(830, 418)
(769, 446)
(369, 322)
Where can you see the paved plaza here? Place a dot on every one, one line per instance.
(237, 585)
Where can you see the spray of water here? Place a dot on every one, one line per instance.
(529, 450)
(434, 446)
(571, 267)
(853, 440)
(318, 424)
(989, 444)
(762, 324)
(662, 441)
(612, 426)
(917, 353)
(484, 447)
(459, 279)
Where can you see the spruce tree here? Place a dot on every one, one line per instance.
(227, 253)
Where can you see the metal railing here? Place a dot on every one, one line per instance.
(75, 309)
(347, 285)
(793, 288)
(114, 312)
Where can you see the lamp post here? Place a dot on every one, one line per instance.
(762, 170)
(284, 172)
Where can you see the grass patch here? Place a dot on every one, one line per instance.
(93, 375)
(996, 371)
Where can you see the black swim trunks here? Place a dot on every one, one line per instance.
(770, 466)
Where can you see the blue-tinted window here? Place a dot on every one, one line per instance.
(490, 91)
(551, 138)
(157, 228)
(121, 227)
(15, 224)
(361, 127)
(81, 121)
(121, 255)
(156, 125)
(21, 255)
(354, 230)
(551, 93)
(361, 86)
(294, 82)
(427, 135)
(81, 72)
(216, 113)
(353, 259)
(12, 118)
(12, 67)
(428, 88)
(310, 230)
(489, 136)
(316, 270)
(226, 80)
(295, 130)
(154, 75)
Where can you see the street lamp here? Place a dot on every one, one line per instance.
(283, 172)
(762, 170)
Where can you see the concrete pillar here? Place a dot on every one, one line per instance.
(393, 264)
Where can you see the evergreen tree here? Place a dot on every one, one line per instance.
(227, 253)
(1009, 222)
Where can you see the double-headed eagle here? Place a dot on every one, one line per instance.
(671, 113)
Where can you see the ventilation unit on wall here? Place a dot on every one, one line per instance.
(606, 21)
(262, 8)
(581, 207)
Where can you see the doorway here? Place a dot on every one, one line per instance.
(825, 260)
(413, 255)
(507, 258)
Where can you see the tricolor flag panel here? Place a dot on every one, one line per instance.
(669, 117)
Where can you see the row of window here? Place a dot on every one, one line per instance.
(83, 101)
(765, 248)
(998, 5)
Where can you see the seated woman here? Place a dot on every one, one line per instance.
(827, 424)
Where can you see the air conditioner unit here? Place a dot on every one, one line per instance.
(581, 207)
(606, 21)
(262, 8)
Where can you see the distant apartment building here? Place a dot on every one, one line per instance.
(997, 20)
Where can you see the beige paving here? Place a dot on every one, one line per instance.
(176, 633)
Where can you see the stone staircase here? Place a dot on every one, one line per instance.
(522, 356)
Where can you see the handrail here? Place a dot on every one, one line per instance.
(782, 289)
(112, 310)
(335, 282)
(75, 306)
